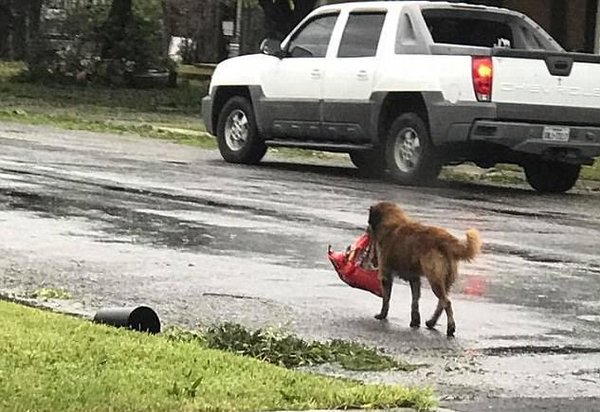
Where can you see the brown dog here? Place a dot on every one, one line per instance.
(410, 250)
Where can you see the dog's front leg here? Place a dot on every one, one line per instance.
(415, 316)
(386, 287)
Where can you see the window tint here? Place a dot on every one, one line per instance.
(482, 28)
(531, 39)
(361, 35)
(469, 31)
(312, 40)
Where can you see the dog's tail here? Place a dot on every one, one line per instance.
(470, 248)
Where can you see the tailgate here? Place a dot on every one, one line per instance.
(546, 78)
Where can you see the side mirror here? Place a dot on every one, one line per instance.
(271, 47)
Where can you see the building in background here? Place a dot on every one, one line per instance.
(575, 24)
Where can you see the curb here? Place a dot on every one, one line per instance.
(37, 304)
(374, 410)
(363, 410)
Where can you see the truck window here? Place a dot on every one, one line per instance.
(312, 40)
(470, 32)
(483, 29)
(361, 34)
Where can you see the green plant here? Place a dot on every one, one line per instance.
(102, 47)
(188, 389)
(51, 293)
(285, 349)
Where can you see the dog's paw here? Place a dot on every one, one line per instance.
(450, 331)
(430, 324)
(415, 321)
(380, 316)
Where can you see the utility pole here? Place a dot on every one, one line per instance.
(239, 13)
(597, 36)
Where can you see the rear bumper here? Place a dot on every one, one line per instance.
(515, 127)
(582, 146)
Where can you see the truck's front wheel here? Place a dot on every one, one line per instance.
(237, 135)
(551, 177)
(410, 157)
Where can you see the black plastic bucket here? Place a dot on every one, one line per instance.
(140, 318)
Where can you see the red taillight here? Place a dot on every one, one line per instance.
(483, 74)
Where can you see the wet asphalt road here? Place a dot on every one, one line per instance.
(120, 221)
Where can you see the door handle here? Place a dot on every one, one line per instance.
(315, 74)
(362, 75)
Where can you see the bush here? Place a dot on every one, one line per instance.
(91, 47)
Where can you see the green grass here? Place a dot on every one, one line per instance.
(587, 172)
(499, 174)
(51, 293)
(510, 174)
(161, 113)
(591, 172)
(10, 69)
(51, 362)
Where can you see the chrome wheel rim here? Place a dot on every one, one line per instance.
(407, 149)
(236, 130)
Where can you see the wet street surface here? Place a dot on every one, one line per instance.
(124, 221)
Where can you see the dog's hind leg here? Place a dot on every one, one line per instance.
(415, 316)
(387, 281)
(439, 292)
(443, 304)
(450, 278)
(451, 328)
(441, 273)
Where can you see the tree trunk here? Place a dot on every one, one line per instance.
(302, 8)
(19, 38)
(120, 19)
(35, 46)
(278, 17)
(281, 17)
(34, 15)
(209, 40)
(6, 18)
(252, 29)
(166, 29)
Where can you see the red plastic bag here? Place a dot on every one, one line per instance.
(355, 267)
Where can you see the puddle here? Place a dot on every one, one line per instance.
(171, 228)
(590, 318)
(537, 350)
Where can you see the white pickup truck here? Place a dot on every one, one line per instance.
(406, 87)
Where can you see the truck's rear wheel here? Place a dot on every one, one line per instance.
(409, 155)
(237, 135)
(551, 177)
(369, 162)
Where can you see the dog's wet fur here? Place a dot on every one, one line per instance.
(409, 250)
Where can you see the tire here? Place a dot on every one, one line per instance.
(237, 134)
(370, 163)
(551, 177)
(410, 157)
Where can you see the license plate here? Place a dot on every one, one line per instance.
(556, 133)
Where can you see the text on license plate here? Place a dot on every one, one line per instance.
(556, 133)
